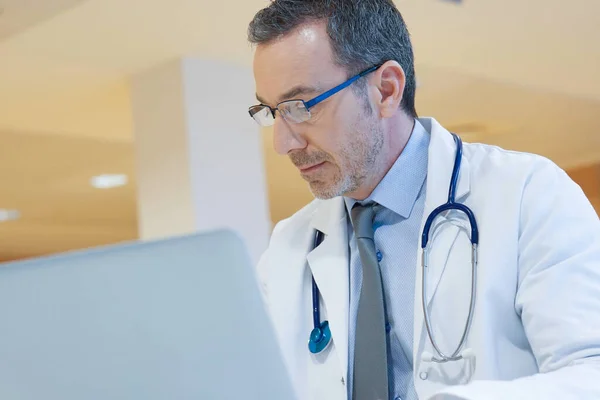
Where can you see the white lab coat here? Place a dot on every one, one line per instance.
(536, 326)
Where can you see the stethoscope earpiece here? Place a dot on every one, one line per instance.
(426, 357)
(319, 338)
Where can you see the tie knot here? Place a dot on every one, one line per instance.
(362, 220)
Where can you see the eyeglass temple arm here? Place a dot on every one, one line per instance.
(336, 89)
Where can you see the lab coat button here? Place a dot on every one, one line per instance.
(423, 375)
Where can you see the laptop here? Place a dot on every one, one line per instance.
(180, 318)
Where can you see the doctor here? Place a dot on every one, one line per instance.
(505, 304)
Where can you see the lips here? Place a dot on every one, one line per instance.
(310, 168)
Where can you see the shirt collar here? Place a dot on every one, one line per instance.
(400, 187)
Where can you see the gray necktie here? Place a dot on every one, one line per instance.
(370, 351)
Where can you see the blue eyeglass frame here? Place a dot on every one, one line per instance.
(324, 96)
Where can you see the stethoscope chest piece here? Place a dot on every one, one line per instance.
(319, 338)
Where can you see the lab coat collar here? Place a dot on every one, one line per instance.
(328, 215)
(442, 151)
(329, 266)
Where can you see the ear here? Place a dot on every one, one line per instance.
(389, 81)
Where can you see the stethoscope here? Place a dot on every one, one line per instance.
(320, 336)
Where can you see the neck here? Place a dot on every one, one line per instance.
(397, 134)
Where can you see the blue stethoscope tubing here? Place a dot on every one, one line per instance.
(320, 336)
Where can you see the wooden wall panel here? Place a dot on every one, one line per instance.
(588, 178)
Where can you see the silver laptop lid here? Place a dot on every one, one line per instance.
(174, 319)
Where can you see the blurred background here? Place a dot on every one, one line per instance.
(79, 90)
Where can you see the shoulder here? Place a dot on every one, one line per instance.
(544, 189)
(494, 156)
(513, 167)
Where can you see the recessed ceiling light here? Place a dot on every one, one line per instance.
(9, 215)
(108, 181)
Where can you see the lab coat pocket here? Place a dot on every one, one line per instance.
(449, 373)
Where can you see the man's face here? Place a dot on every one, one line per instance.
(336, 149)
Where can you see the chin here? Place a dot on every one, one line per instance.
(328, 190)
(328, 186)
(324, 192)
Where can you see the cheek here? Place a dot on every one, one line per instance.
(322, 137)
(331, 142)
(337, 130)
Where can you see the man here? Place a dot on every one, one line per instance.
(337, 81)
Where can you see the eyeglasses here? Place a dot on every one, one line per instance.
(297, 111)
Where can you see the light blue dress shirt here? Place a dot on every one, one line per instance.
(397, 224)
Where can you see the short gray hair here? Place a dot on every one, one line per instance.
(362, 33)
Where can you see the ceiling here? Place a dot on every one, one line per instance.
(522, 75)
(22, 14)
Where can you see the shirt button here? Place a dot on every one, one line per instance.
(388, 327)
(379, 256)
(397, 398)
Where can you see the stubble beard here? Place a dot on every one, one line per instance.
(359, 158)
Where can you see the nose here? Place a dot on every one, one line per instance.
(285, 137)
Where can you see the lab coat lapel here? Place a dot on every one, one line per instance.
(329, 266)
(442, 152)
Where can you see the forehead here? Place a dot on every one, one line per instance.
(301, 58)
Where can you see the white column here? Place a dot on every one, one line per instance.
(198, 153)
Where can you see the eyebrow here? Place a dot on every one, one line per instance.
(293, 92)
